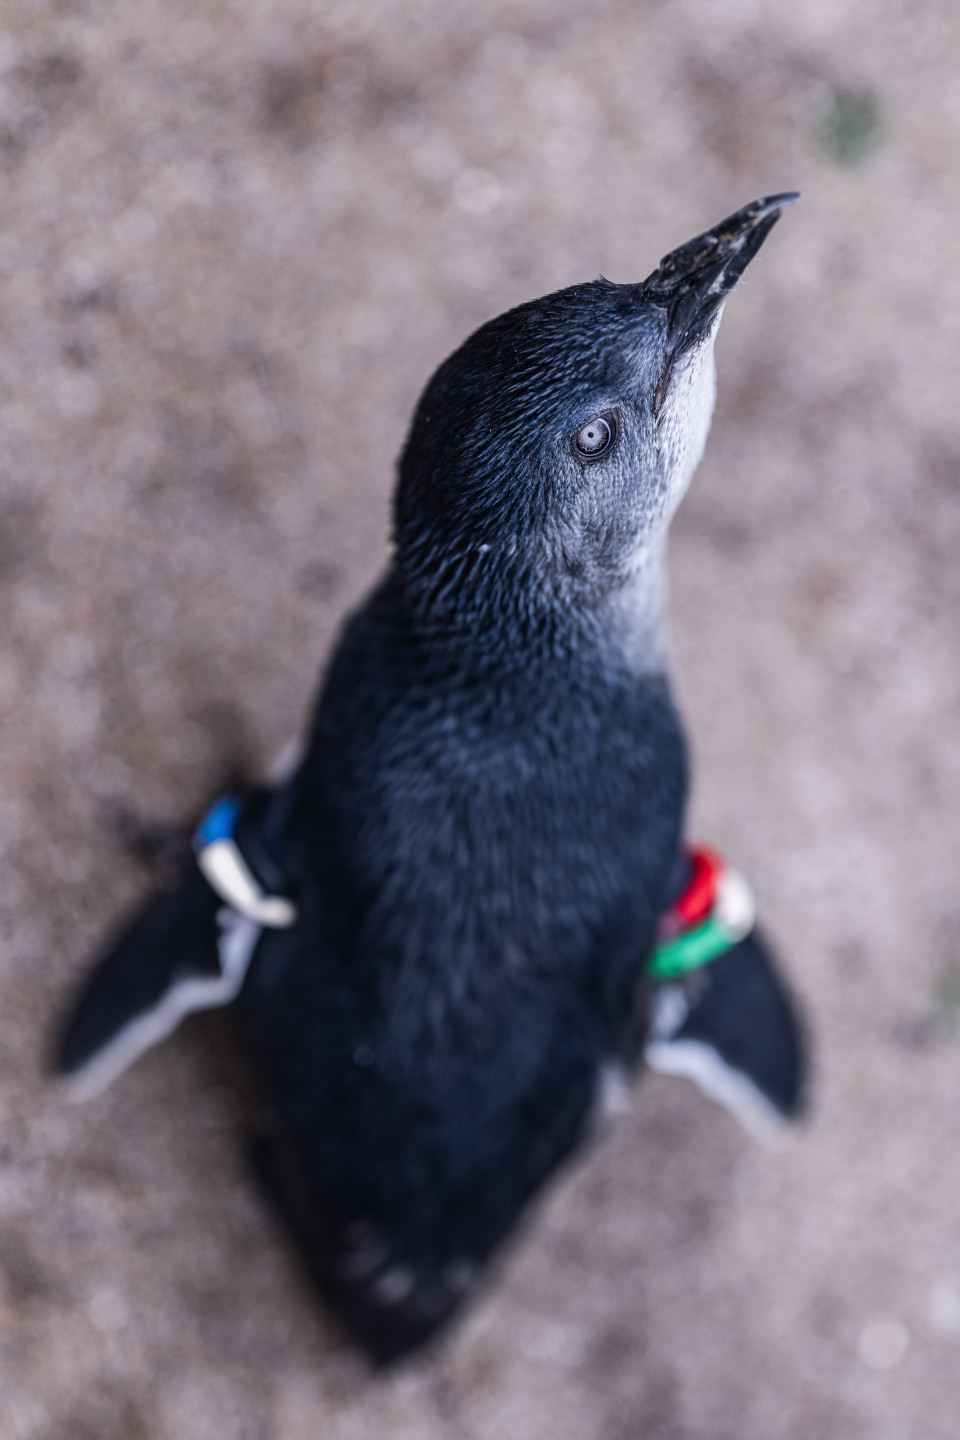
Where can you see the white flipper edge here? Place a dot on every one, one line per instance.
(238, 940)
(693, 1060)
(286, 760)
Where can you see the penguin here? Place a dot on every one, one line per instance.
(470, 903)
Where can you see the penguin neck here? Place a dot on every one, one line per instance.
(505, 620)
(633, 617)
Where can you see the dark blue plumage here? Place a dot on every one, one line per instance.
(486, 823)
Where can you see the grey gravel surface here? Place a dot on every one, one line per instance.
(235, 240)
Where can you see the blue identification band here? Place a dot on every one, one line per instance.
(220, 823)
(227, 873)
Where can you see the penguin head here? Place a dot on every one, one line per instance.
(551, 450)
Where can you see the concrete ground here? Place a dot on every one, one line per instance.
(235, 241)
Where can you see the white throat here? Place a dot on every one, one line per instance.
(684, 422)
(638, 611)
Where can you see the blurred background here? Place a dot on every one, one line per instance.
(235, 241)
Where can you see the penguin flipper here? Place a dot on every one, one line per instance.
(183, 952)
(733, 1029)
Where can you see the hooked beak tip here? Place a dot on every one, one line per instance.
(713, 252)
(693, 281)
(709, 256)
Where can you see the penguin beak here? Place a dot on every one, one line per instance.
(692, 283)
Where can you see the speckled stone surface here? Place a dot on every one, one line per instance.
(235, 241)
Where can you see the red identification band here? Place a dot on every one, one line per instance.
(699, 895)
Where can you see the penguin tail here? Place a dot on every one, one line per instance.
(733, 1029)
(185, 951)
(387, 1304)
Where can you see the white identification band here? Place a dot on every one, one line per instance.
(227, 872)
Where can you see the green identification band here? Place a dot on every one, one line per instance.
(689, 951)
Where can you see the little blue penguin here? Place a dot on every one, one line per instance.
(437, 927)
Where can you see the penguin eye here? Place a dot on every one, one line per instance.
(596, 437)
